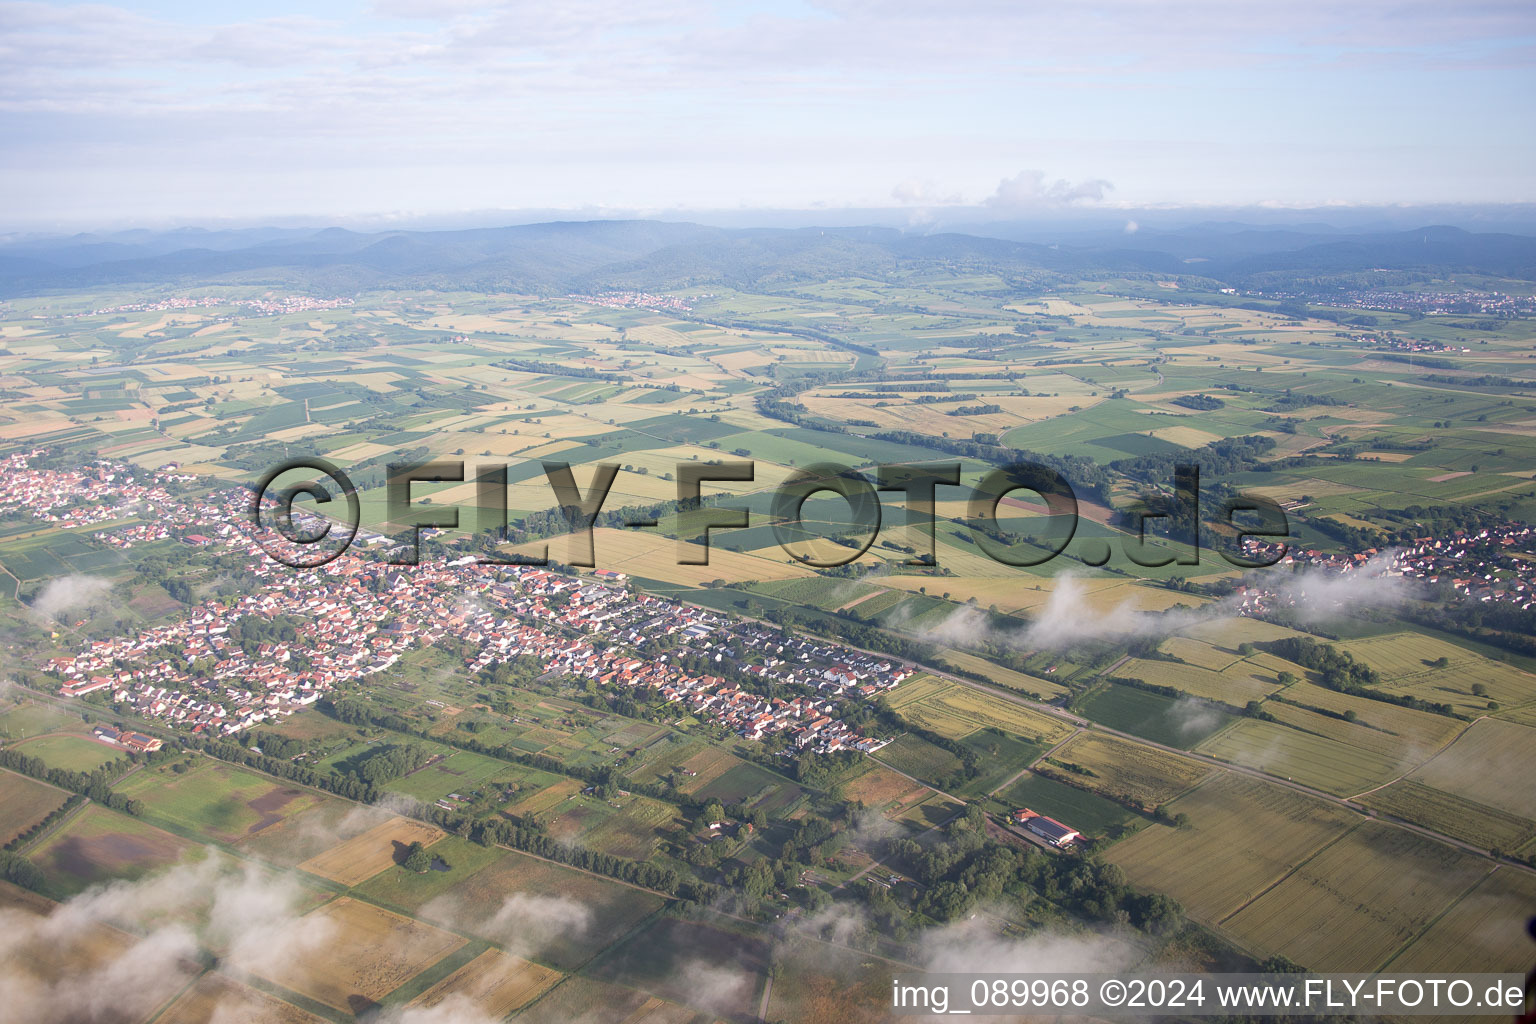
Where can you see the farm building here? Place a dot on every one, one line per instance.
(135, 741)
(1049, 829)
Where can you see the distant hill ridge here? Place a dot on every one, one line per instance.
(593, 255)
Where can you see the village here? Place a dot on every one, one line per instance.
(358, 616)
(1488, 565)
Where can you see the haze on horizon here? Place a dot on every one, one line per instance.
(162, 110)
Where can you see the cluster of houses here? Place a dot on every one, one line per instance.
(635, 300)
(100, 492)
(1492, 564)
(286, 304)
(225, 666)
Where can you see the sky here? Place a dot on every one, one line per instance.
(174, 111)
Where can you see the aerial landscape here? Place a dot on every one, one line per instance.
(705, 614)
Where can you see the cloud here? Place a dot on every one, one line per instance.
(1029, 190)
(1193, 717)
(70, 597)
(713, 986)
(526, 924)
(126, 947)
(1320, 596)
(1068, 619)
(973, 946)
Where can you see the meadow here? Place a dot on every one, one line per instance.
(97, 844)
(24, 802)
(215, 800)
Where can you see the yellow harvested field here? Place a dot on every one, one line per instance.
(1131, 772)
(640, 553)
(1493, 762)
(1484, 931)
(1401, 880)
(1234, 686)
(214, 997)
(361, 857)
(1229, 633)
(1012, 591)
(359, 451)
(58, 964)
(957, 711)
(915, 689)
(353, 954)
(1256, 831)
(1406, 662)
(494, 983)
(1006, 677)
(1189, 437)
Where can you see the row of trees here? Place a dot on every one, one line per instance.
(96, 785)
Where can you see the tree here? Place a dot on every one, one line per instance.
(417, 859)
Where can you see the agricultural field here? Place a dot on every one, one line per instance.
(24, 802)
(34, 968)
(671, 955)
(97, 844)
(1483, 931)
(365, 954)
(1234, 683)
(1128, 772)
(879, 787)
(1408, 663)
(1301, 754)
(1257, 831)
(956, 711)
(1406, 880)
(1152, 716)
(1079, 808)
(453, 860)
(912, 755)
(216, 800)
(543, 911)
(494, 983)
(361, 857)
(70, 753)
(1492, 763)
(215, 997)
(1454, 816)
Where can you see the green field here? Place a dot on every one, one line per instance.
(97, 844)
(915, 756)
(70, 753)
(1088, 813)
(490, 901)
(1153, 716)
(215, 800)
